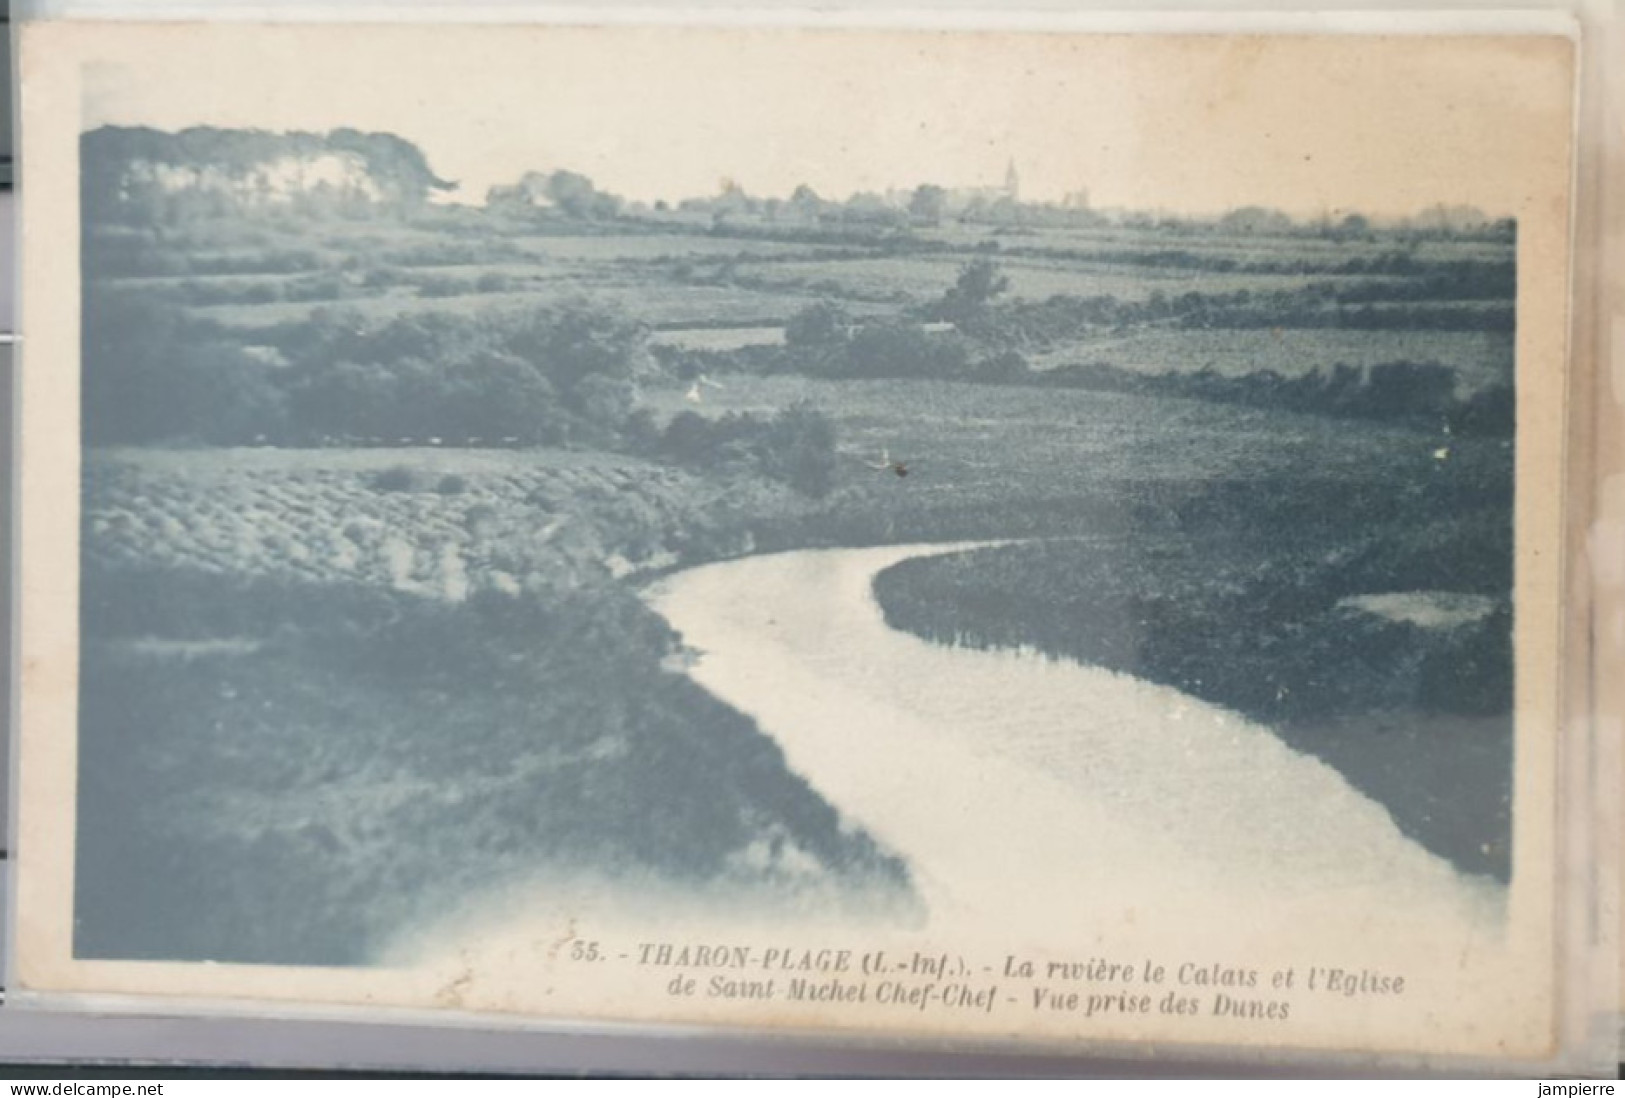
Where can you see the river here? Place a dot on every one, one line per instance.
(1043, 794)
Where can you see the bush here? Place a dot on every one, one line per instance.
(799, 449)
(795, 447)
(820, 325)
(979, 282)
(397, 478)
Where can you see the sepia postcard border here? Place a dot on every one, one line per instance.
(51, 57)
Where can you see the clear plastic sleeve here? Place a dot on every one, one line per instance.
(877, 539)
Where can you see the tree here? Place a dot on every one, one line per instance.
(395, 164)
(147, 176)
(799, 449)
(495, 395)
(573, 342)
(868, 208)
(897, 348)
(575, 196)
(805, 203)
(604, 404)
(979, 282)
(1354, 227)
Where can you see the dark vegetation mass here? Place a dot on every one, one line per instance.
(278, 759)
(1247, 596)
(368, 696)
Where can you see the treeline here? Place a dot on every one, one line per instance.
(144, 176)
(1392, 306)
(930, 205)
(1239, 598)
(795, 446)
(1467, 279)
(564, 193)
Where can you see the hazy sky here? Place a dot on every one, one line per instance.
(1379, 125)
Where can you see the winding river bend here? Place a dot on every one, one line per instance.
(1040, 794)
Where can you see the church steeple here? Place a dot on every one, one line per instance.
(1012, 182)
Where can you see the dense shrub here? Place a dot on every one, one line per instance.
(397, 478)
(150, 375)
(1388, 390)
(892, 348)
(822, 324)
(795, 446)
(973, 292)
(551, 375)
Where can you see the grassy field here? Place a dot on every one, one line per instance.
(1480, 359)
(669, 305)
(1415, 713)
(921, 278)
(671, 275)
(976, 444)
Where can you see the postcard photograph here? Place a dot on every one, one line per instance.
(978, 533)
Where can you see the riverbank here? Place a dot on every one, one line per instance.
(1374, 635)
(330, 695)
(1036, 794)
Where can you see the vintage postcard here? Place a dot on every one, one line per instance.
(978, 533)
